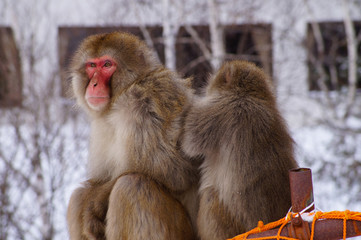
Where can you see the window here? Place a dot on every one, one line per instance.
(190, 59)
(10, 70)
(251, 42)
(246, 42)
(327, 56)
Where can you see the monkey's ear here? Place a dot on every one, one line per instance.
(141, 58)
(228, 74)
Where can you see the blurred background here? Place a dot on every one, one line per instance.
(310, 48)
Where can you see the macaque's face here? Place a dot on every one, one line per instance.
(99, 72)
(106, 64)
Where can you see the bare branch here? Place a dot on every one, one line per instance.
(318, 62)
(192, 64)
(147, 37)
(169, 32)
(201, 44)
(216, 31)
(352, 58)
(321, 81)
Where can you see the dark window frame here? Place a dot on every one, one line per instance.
(11, 81)
(333, 59)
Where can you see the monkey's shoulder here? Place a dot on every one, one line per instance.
(232, 113)
(161, 88)
(230, 102)
(163, 81)
(157, 96)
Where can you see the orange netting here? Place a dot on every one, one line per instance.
(344, 215)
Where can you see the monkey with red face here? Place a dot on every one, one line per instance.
(141, 184)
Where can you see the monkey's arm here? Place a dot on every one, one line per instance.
(158, 105)
(87, 210)
(203, 128)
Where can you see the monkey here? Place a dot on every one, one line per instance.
(236, 126)
(141, 185)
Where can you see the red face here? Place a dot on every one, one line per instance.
(99, 71)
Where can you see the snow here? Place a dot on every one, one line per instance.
(315, 148)
(51, 124)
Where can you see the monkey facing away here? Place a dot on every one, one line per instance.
(247, 152)
(138, 174)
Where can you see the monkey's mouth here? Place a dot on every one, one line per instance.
(97, 102)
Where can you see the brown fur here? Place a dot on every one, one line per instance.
(143, 209)
(138, 131)
(87, 210)
(248, 151)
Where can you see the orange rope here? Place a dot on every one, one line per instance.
(344, 215)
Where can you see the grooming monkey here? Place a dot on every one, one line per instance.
(140, 181)
(247, 152)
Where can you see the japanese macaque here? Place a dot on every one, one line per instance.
(140, 183)
(247, 152)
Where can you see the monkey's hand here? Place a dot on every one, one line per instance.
(95, 208)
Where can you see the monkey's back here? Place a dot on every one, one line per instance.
(248, 150)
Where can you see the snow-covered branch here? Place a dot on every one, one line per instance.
(216, 31)
(352, 57)
(169, 34)
(200, 42)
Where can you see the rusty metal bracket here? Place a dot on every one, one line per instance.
(299, 228)
(301, 189)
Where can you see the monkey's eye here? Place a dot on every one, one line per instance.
(91, 64)
(107, 64)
